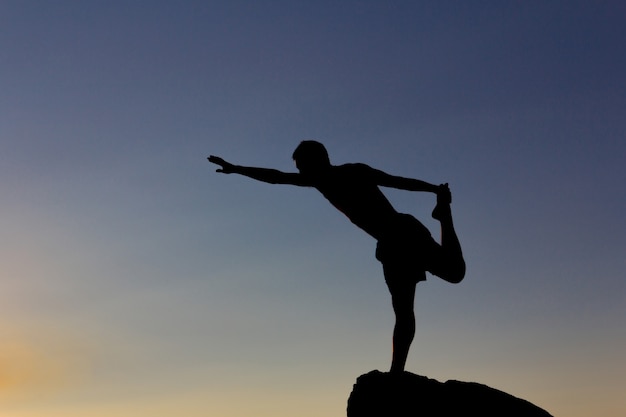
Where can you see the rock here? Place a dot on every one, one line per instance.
(379, 394)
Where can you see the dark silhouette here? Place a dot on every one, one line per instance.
(378, 394)
(405, 247)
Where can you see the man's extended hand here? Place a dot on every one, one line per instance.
(226, 167)
(443, 194)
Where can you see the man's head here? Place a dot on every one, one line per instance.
(311, 156)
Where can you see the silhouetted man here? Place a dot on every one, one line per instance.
(405, 247)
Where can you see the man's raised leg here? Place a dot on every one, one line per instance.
(452, 268)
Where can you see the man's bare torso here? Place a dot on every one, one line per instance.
(352, 189)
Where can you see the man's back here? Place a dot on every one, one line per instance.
(354, 190)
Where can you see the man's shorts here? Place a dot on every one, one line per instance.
(407, 250)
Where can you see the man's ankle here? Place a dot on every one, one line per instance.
(442, 212)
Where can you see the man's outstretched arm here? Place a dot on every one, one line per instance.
(272, 176)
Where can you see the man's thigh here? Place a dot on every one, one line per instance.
(401, 283)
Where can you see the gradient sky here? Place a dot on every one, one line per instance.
(136, 281)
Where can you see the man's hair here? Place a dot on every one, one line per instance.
(311, 151)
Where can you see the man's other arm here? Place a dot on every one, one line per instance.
(393, 181)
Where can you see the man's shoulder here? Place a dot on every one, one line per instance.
(352, 172)
(353, 167)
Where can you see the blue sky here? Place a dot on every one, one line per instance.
(137, 281)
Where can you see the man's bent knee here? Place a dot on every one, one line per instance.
(456, 274)
(452, 274)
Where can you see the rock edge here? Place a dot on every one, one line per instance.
(382, 394)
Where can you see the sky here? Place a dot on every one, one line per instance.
(136, 281)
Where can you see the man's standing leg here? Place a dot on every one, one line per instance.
(402, 299)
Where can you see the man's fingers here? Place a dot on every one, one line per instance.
(225, 167)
